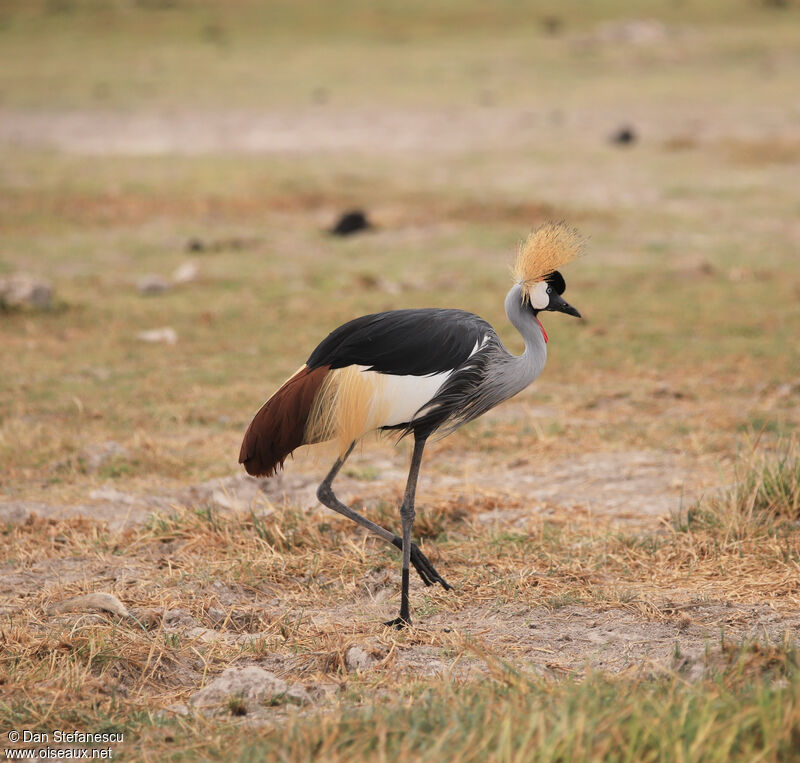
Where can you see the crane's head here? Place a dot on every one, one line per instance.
(546, 295)
(535, 270)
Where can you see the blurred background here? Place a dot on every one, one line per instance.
(171, 172)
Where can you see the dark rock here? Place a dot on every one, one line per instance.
(351, 222)
(624, 136)
(234, 243)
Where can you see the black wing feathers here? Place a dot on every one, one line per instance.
(413, 342)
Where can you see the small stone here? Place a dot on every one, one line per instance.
(23, 290)
(16, 512)
(152, 284)
(206, 635)
(185, 273)
(252, 685)
(178, 618)
(356, 659)
(298, 695)
(167, 335)
(624, 136)
(216, 615)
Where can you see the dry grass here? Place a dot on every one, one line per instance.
(291, 589)
(724, 719)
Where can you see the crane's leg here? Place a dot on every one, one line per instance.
(327, 497)
(407, 514)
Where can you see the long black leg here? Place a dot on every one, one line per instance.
(327, 497)
(407, 514)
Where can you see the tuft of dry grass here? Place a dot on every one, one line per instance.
(764, 497)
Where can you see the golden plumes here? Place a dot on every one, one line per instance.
(546, 249)
(347, 406)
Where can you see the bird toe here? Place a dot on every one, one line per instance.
(399, 623)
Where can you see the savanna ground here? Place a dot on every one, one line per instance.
(615, 595)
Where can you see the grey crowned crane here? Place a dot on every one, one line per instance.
(421, 372)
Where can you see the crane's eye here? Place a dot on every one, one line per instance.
(549, 289)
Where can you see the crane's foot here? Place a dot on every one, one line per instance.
(399, 623)
(423, 566)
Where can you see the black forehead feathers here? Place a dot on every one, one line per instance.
(556, 280)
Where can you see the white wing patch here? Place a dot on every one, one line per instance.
(403, 396)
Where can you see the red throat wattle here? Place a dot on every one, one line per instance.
(544, 333)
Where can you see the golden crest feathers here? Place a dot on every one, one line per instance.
(546, 249)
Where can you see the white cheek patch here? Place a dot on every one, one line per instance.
(540, 299)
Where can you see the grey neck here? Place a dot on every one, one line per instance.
(526, 367)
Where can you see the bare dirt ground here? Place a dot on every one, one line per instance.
(312, 130)
(638, 488)
(634, 490)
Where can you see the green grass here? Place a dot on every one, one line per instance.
(775, 492)
(723, 719)
(765, 495)
(746, 706)
(199, 55)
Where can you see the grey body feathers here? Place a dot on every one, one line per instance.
(487, 377)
